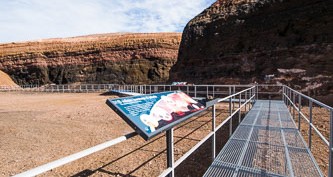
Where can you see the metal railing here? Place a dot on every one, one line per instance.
(241, 95)
(216, 91)
(81, 88)
(294, 99)
(249, 95)
(203, 91)
(245, 98)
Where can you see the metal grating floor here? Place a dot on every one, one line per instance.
(266, 143)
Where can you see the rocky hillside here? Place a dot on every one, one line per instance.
(106, 58)
(242, 41)
(5, 80)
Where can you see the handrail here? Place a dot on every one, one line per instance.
(329, 143)
(76, 156)
(73, 157)
(233, 95)
(309, 98)
(317, 131)
(170, 170)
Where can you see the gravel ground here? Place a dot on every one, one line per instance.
(36, 128)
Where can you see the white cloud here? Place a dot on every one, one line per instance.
(37, 19)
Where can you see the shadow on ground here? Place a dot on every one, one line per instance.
(195, 165)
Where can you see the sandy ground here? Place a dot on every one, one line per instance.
(5, 80)
(36, 128)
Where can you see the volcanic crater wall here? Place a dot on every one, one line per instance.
(109, 58)
(242, 41)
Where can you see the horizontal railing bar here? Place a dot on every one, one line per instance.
(188, 153)
(322, 137)
(225, 98)
(228, 118)
(309, 98)
(73, 157)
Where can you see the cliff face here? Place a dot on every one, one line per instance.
(107, 58)
(242, 41)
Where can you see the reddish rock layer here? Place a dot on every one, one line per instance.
(108, 58)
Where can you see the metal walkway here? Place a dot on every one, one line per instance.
(266, 143)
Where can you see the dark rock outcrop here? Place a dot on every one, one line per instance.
(108, 58)
(242, 41)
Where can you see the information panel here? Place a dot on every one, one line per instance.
(152, 114)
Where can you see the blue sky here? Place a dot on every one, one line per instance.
(22, 20)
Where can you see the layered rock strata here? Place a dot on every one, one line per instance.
(265, 41)
(108, 58)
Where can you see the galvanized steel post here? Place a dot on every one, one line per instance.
(250, 96)
(240, 110)
(230, 112)
(187, 91)
(330, 166)
(310, 124)
(207, 90)
(283, 93)
(213, 130)
(170, 155)
(233, 99)
(299, 111)
(257, 91)
(289, 96)
(245, 99)
(195, 91)
(294, 103)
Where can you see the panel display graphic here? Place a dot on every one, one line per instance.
(152, 114)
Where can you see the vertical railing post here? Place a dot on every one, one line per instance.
(207, 90)
(294, 104)
(245, 99)
(283, 96)
(195, 91)
(187, 90)
(310, 124)
(170, 155)
(230, 112)
(289, 96)
(213, 130)
(213, 91)
(250, 95)
(233, 99)
(240, 109)
(299, 111)
(257, 91)
(330, 166)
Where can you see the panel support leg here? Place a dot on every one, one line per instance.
(170, 155)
